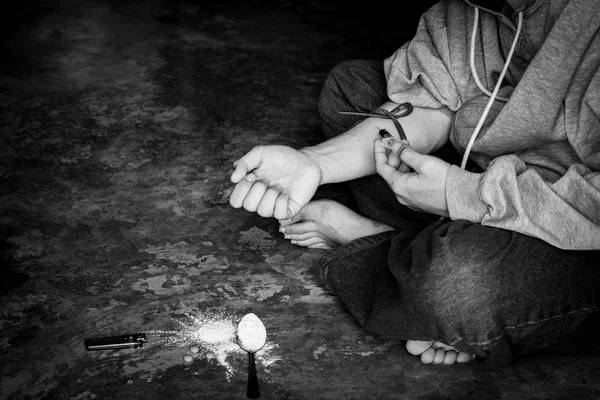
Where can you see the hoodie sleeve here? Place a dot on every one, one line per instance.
(507, 195)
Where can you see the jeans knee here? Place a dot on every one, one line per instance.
(460, 290)
(461, 299)
(335, 85)
(464, 275)
(350, 85)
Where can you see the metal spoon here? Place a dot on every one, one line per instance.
(251, 337)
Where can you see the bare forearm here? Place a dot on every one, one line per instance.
(350, 155)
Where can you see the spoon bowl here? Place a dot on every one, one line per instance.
(251, 336)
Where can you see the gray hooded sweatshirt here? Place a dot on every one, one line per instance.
(539, 147)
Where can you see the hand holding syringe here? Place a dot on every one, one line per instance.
(417, 180)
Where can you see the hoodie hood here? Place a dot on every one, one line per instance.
(497, 6)
(522, 5)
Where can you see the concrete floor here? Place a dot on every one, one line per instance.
(119, 122)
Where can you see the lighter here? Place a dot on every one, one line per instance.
(134, 341)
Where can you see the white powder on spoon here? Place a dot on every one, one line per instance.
(251, 333)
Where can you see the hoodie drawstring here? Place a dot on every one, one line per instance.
(494, 95)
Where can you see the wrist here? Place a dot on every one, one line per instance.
(316, 159)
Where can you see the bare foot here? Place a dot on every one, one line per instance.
(325, 224)
(437, 352)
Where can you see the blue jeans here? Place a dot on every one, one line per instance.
(486, 291)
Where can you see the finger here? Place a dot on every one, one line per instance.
(292, 219)
(255, 195)
(379, 154)
(394, 155)
(398, 146)
(403, 168)
(281, 206)
(411, 158)
(266, 208)
(293, 208)
(384, 169)
(240, 169)
(241, 190)
(394, 160)
(246, 163)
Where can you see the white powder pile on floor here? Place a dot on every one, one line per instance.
(214, 332)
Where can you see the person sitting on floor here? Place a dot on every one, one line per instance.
(478, 233)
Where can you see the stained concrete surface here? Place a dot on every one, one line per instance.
(119, 122)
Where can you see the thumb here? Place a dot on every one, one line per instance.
(294, 215)
(409, 156)
(294, 211)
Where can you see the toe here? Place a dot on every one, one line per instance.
(300, 228)
(443, 346)
(322, 246)
(438, 358)
(312, 241)
(428, 356)
(450, 357)
(302, 236)
(464, 357)
(416, 347)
